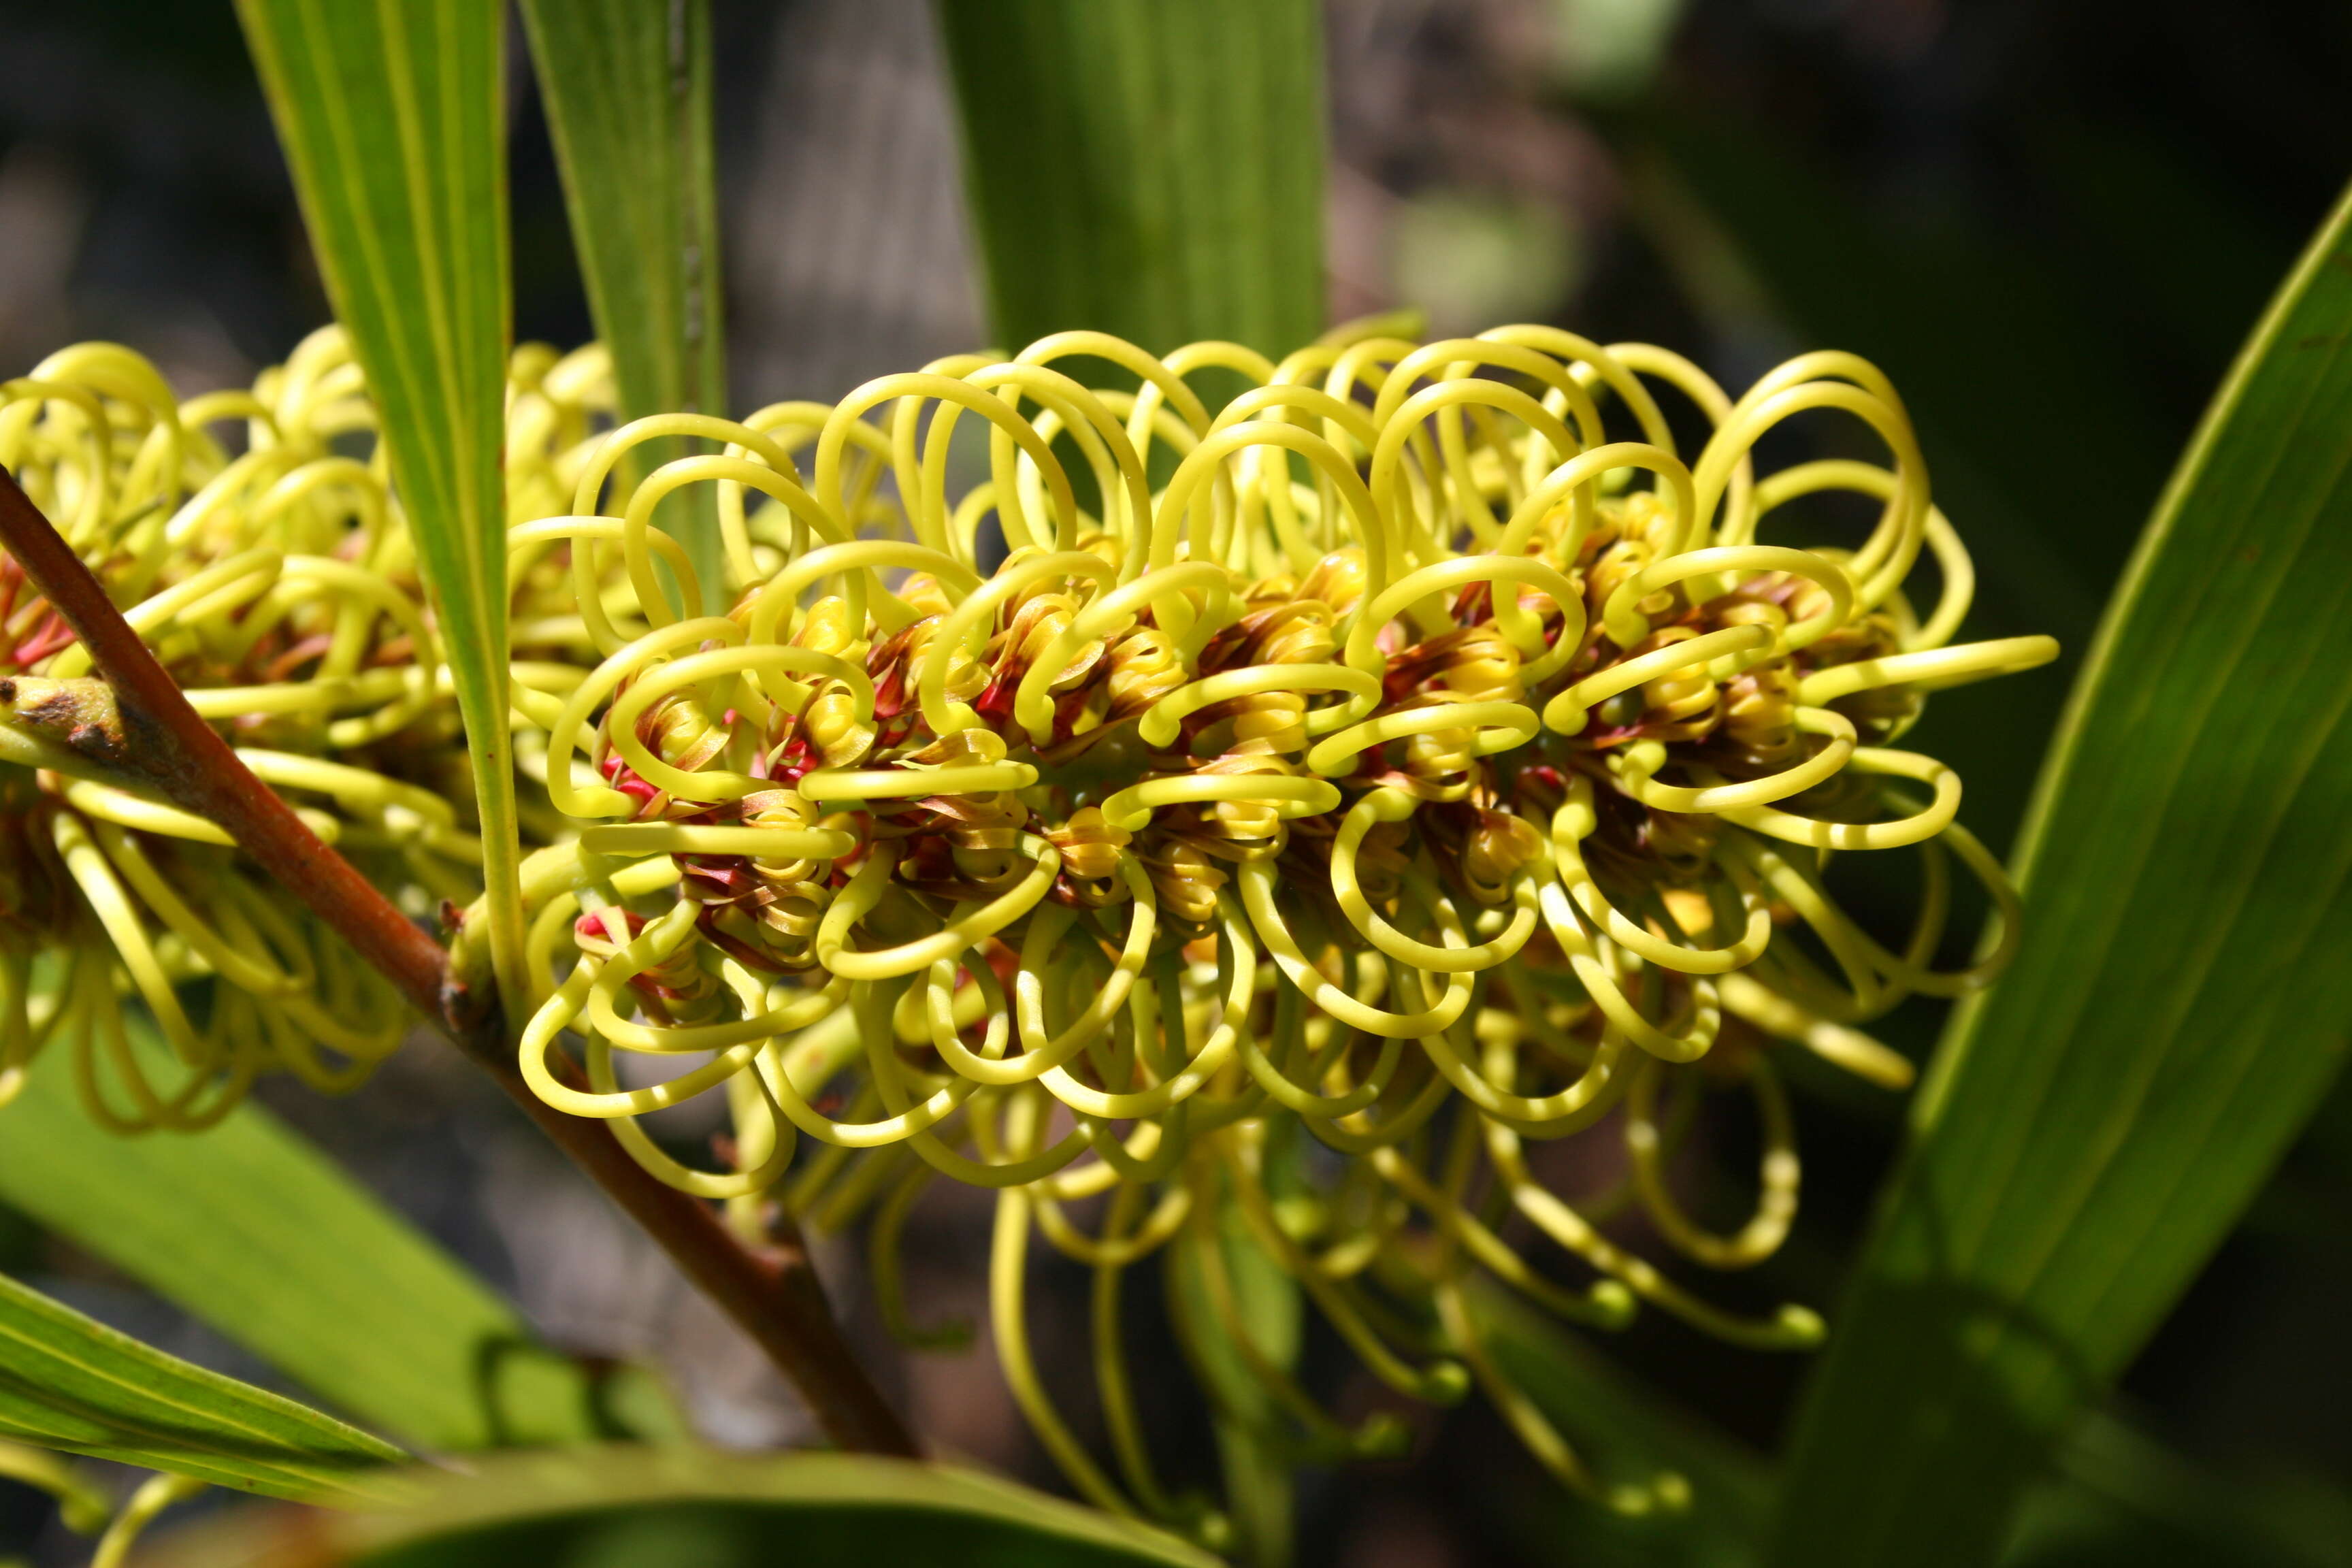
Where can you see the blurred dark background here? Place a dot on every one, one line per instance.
(2050, 221)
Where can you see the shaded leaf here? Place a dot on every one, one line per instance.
(627, 88)
(256, 1233)
(2114, 1494)
(713, 1510)
(2120, 1497)
(73, 1384)
(1151, 169)
(392, 114)
(1155, 171)
(2096, 1123)
(1247, 1419)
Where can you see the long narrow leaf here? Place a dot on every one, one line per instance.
(1245, 1414)
(627, 89)
(254, 1231)
(2095, 1126)
(2119, 1496)
(76, 1385)
(392, 113)
(1154, 169)
(610, 1505)
(1151, 168)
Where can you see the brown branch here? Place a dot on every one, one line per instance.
(774, 1297)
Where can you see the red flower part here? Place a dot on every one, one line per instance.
(591, 927)
(742, 951)
(996, 703)
(890, 692)
(716, 878)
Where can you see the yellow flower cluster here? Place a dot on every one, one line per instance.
(1286, 809)
(1229, 830)
(279, 587)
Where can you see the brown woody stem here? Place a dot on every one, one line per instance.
(773, 1294)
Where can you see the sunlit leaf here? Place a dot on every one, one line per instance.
(77, 1386)
(393, 116)
(2095, 1125)
(254, 1231)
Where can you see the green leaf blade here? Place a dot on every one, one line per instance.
(627, 89)
(1260, 1490)
(2097, 1121)
(255, 1232)
(391, 116)
(811, 1510)
(71, 1384)
(1153, 170)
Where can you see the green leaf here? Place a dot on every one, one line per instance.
(2095, 1124)
(393, 116)
(712, 1509)
(69, 1383)
(1150, 168)
(2114, 1494)
(1252, 1454)
(2120, 1497)
(627, 88)
(1154, 169)
(260, 1236)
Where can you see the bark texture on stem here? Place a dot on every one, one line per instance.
(153, 733)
